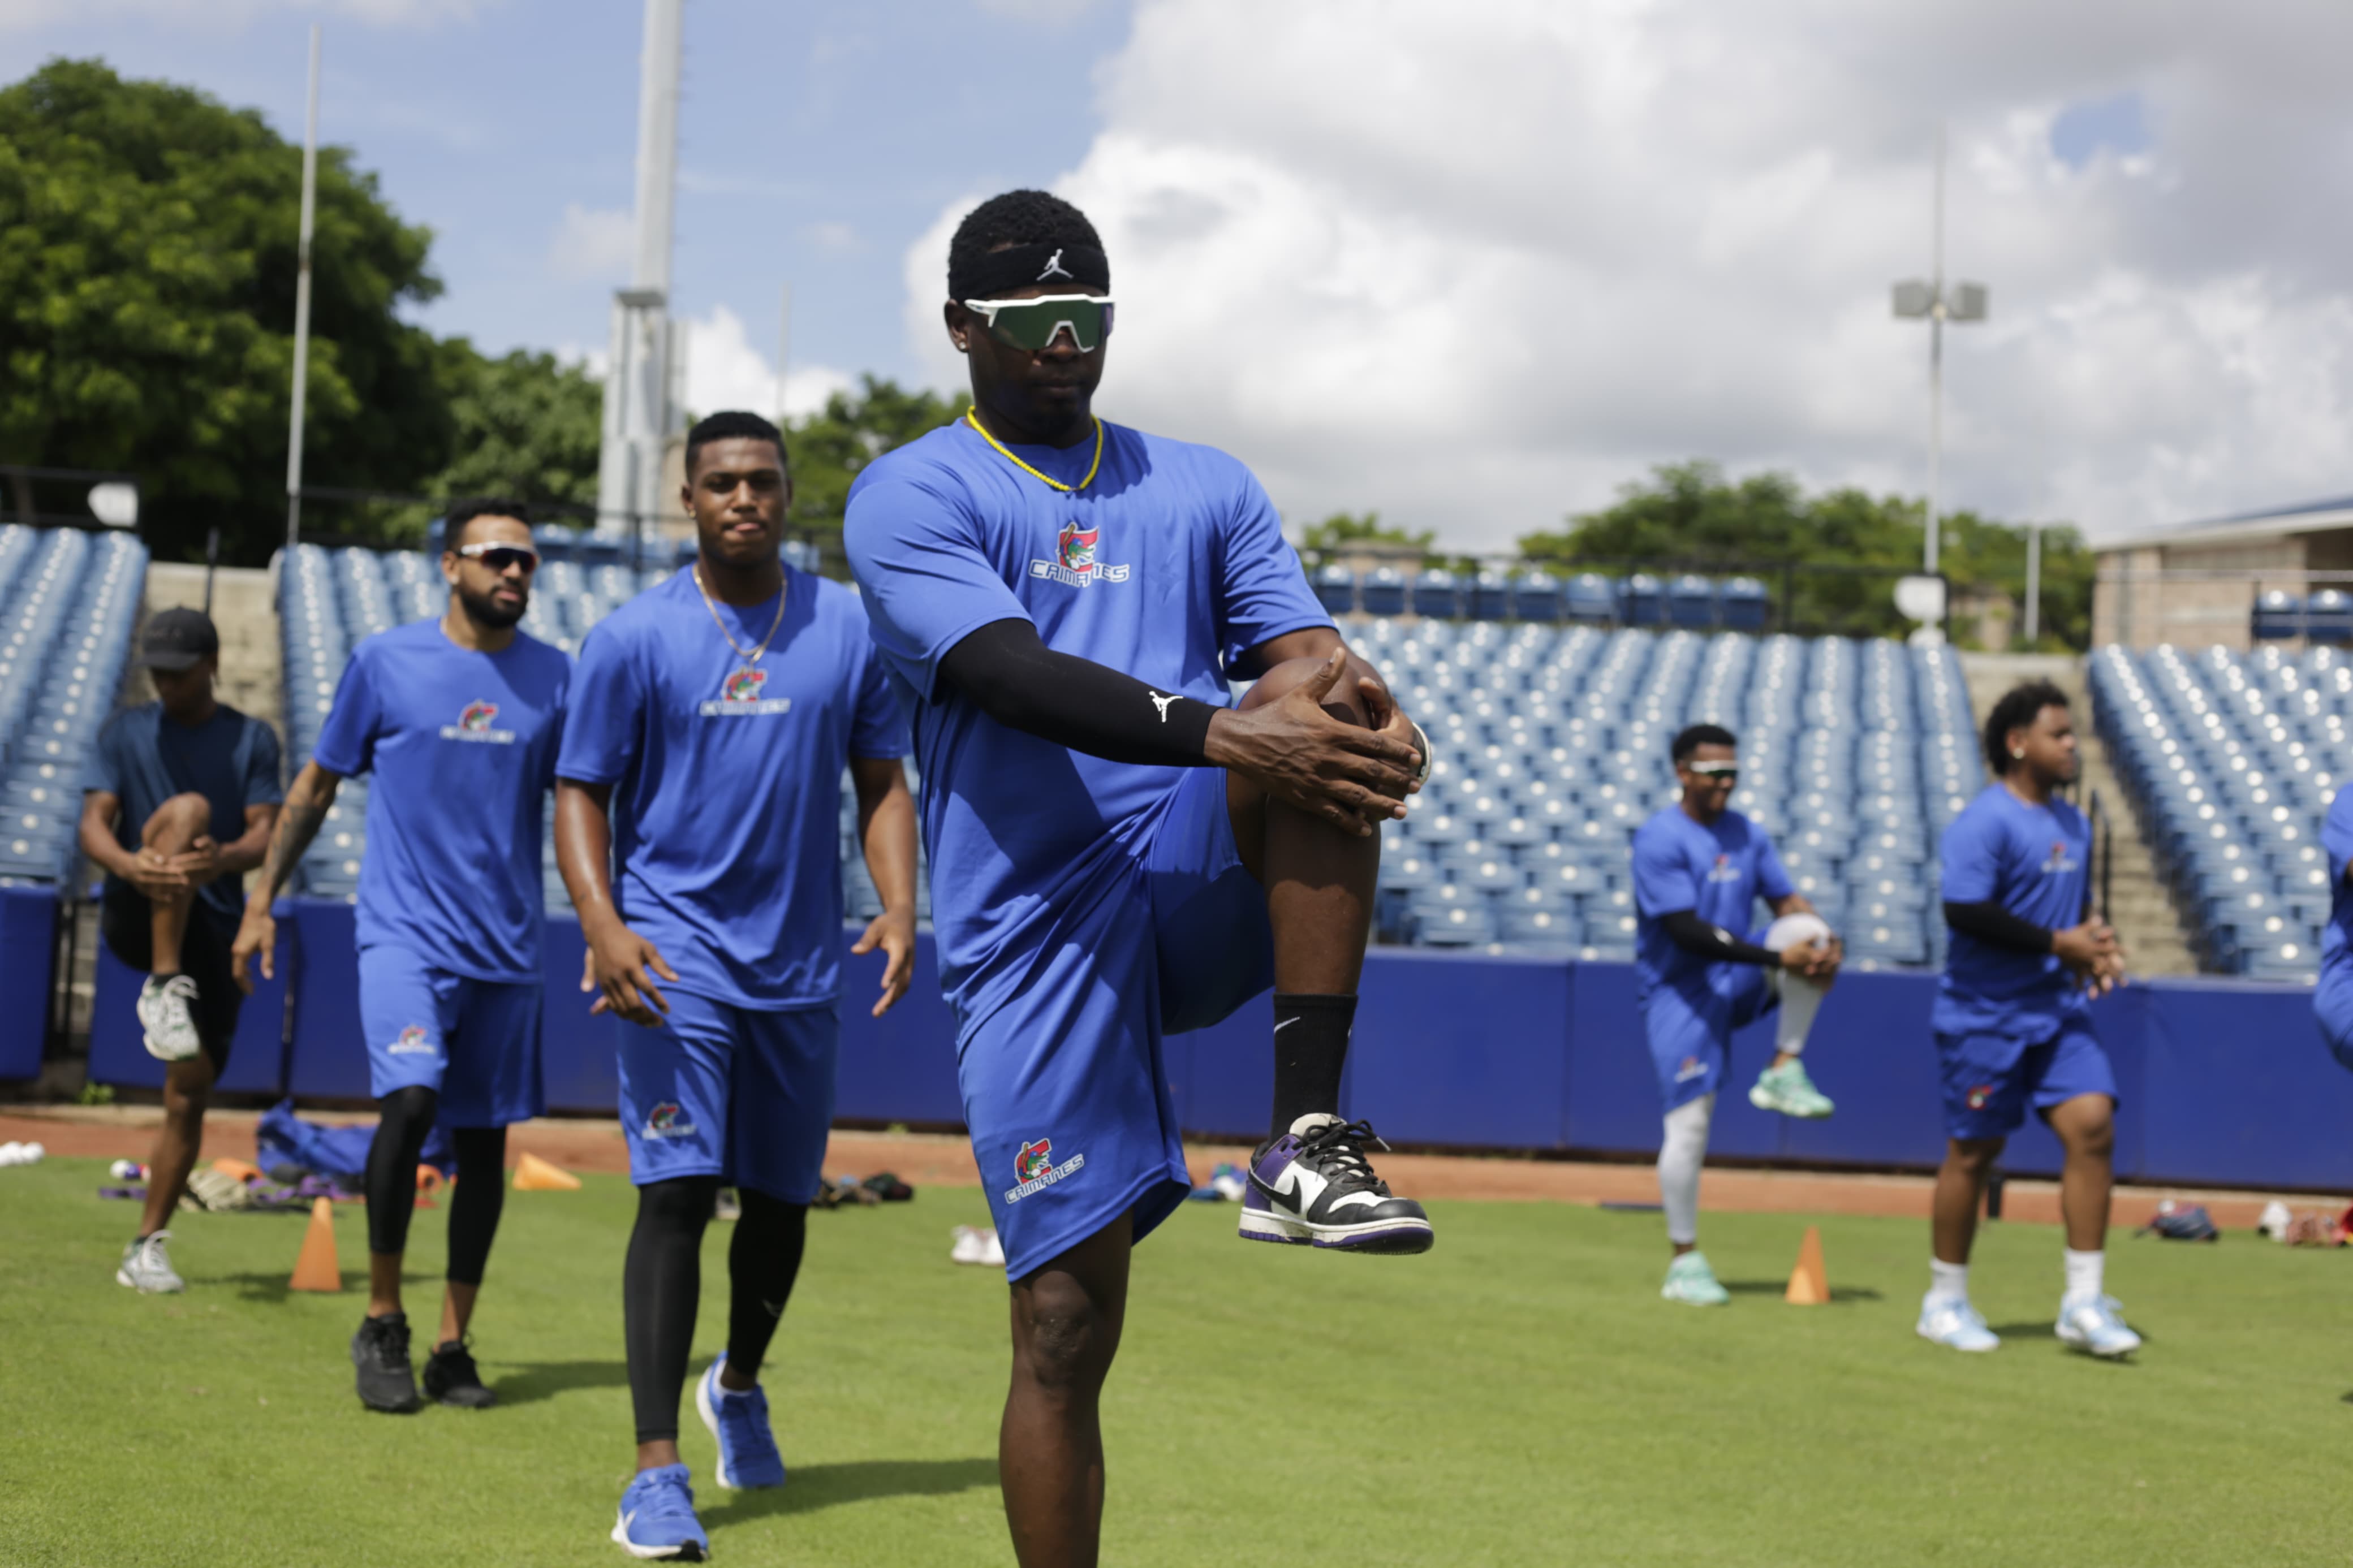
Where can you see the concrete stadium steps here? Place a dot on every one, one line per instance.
(2152, 929)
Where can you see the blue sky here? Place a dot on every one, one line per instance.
(817, 141)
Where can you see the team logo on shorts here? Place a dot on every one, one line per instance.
(1691, 1067)
(412, 1043)
(474, 725)
(667, 1121)
(739, 697)
(1034, 1169)
(1981, 1096)
(1075, 564)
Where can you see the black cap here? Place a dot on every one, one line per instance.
(177, 639)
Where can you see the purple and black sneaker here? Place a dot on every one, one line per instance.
(1314, 1187)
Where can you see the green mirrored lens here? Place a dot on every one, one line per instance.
(1031, 324)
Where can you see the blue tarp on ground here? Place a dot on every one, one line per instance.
(2222, 1081)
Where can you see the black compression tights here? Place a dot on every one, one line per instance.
(391, 1183)
(661, 1284)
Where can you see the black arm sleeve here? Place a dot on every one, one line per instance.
(1023, 685)
(1714, 943)
(1989, 921)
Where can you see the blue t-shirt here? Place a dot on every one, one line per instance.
(462, 744)
(1716, 869)
(2337, 839)
(145, 759)
(1167, 567)
(727, 782)
(2032, 860)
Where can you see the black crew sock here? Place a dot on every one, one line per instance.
(475, 1206)
(763, 1261)
(1311, 1044)
(391, 1179)
(661, 1284)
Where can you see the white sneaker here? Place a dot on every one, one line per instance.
(147, 1268)
(2096, 1325)
(1952, 1323)
(167, 1012)
(976, 1244)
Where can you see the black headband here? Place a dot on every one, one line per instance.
(1078, 267)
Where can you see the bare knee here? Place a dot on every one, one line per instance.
(187, 1088)
(2090, 1133)
(1063, 1341)
(1345, 703)
(178, 823)
(1972, 1157)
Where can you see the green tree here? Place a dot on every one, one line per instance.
(830, 448)
(147, 268)
(1690, 517)
(1341, 530)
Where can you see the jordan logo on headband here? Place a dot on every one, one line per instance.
(1054, 268)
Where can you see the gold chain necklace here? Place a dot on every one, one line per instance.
(1026, 468)
(753, 658)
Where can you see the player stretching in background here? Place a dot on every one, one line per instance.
(2012, 1025)
(458, 719)
(1699, 868)
(2332, 1000)
(1117, 853)
(698, 823)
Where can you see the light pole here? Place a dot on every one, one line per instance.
(1939, 304)
(302, 304)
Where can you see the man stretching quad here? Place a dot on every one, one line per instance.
(1116, 853)
(180, 803)
(459, 719)
(698, 824)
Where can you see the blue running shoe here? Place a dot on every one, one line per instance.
(658, 1522)
(747, 1448)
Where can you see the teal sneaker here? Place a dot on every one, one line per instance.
(1951, 1321)
(1691, 1281)
(1788, 1090)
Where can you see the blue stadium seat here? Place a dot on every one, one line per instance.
(1437, 593)
(1690, 603)
(1743, 605)
(1589, 597)
(1640, 601)
(1336, 589)
(2278, 615)
(1382, 591)
(2329, 615)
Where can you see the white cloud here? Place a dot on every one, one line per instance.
(724, 371)
(228, 15)
(1477, 265)
(593, 242)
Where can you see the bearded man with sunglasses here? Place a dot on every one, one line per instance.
(459, 719)
(1699, 870)
(1117, 851)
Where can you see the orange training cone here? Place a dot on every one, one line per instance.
(1808, 1284)
(237, 1170)
(533, 1175)
(315, 1268)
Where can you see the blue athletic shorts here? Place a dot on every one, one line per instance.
(2332, 1009)
(1990, 1080)
(742, 1093)
(475, 1043)
(1064, 1086)
(1690, 1039)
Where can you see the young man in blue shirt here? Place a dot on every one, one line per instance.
(1699, 869)
(698, 822)
(1116, 852)
(179, 805)
(459, 719)
(2012, 1025)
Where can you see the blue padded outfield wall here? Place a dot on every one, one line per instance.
(2223, 1081)
(29, 928)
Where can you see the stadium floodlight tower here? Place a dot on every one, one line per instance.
(1939, 303)
(640, 386)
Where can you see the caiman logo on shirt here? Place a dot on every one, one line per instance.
(474, 725)
(1034, 1169)
(739, 697)
(412, 1043)
(2060, 860)
(1075, 564)
(1723, 870)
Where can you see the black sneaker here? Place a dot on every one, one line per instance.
(380, 1352)
(1314, 1187)
(451, 1379)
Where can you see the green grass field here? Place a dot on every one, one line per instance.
(1519, 1395)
